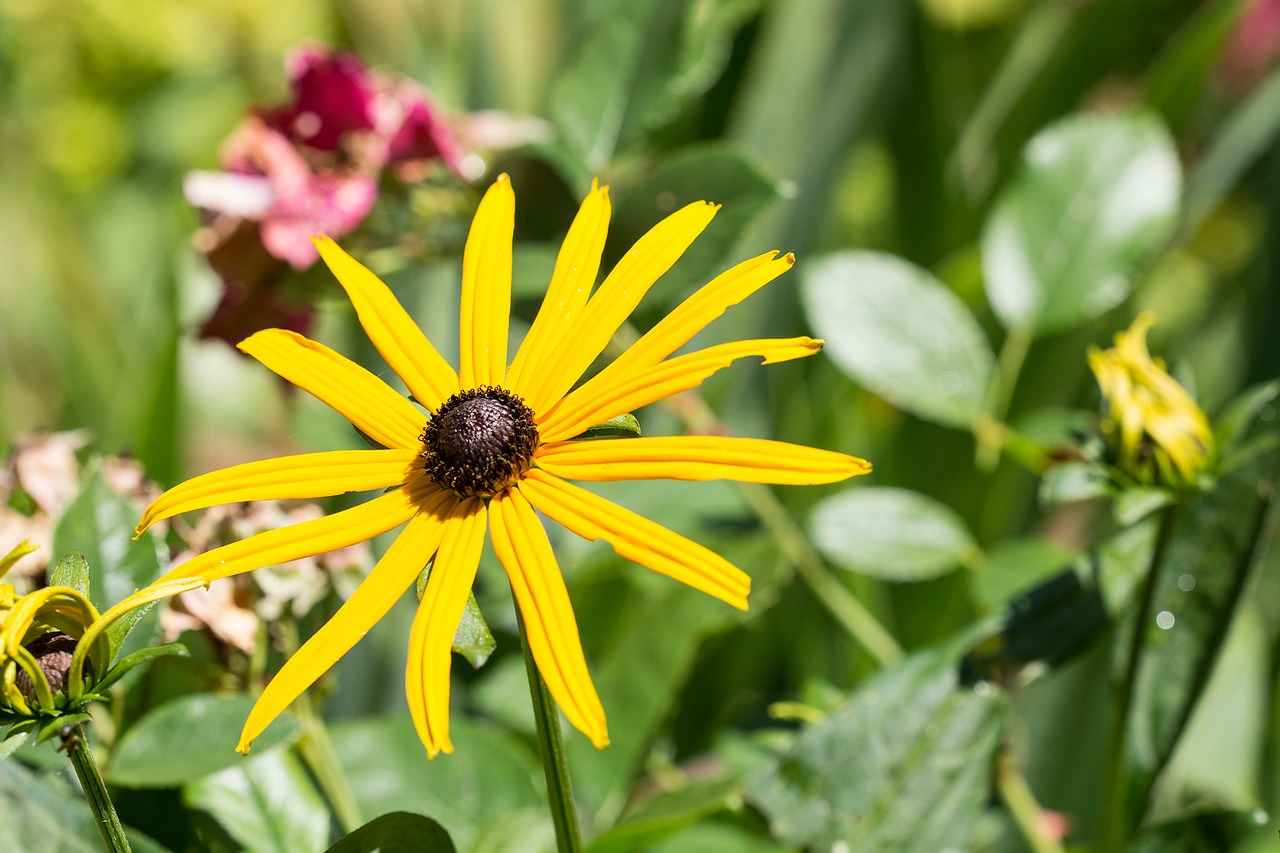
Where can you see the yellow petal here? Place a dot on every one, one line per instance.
(355, 393)
(700, 457)
(431, 638)
(486, 288)
(521, 544)
(695, 313)
(296, 541)
(610, 306)
(588, 406)
(309, 475)
(636, 538)
(383, 587)
(393, 332)
(571, 282)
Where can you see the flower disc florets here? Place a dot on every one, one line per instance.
(480, 441)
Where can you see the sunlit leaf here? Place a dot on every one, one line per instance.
(894, 328)
(905, 765)
(894, 534)
(1097, 195)
(188, 738)
(72, 571)
(397, 832)
(267, 803)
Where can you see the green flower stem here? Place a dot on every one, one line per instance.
(851, 614)
(1022, 805)
(1013, 354)
(316, 749)
(1113, 814)
(95, 791)
(551, 746)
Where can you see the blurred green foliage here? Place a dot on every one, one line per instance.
(976, 191)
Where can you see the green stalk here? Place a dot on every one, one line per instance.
(1113, 822)
(551, 747)
(991, 435)
(95, 791)
(1021, 802)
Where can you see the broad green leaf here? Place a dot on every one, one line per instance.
(1070, 482)
(896, 329)
(267, 803)
(892, 534)
(715, 172)
(905, 765)
(397, 832)
(188, 738)
(99, 524)
(1097, 195)
(1013, 566)
(42, 812)
(72, 571)
(1213, 544)
(489, 773)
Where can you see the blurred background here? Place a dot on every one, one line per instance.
(822, 126)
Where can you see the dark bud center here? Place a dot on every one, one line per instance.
(480, 441)
(52, 652)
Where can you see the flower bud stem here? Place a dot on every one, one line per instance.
(95, 791)
(551, 747)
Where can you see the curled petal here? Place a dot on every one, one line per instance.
(637, 538)
(310, 475)
(748, 460)
(431, 637)
(522, 547)
(337, 381)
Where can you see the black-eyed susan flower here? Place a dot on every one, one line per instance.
(495, 448)
(56, 653)
(1157, 433)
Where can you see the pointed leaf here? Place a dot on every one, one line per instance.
(472, 639)
(73, 571)
(896, 329)
(397, 832)
(623, 426)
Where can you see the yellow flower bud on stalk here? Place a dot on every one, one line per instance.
(1155, 430)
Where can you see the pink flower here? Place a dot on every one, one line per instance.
(333, 95)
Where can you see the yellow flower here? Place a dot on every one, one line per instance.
(1158, 433)
(496, 449)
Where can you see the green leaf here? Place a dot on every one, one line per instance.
(136, 659)
(715, 172)
(623, 426)
(1233, 425)
(666, 814)
(267, 803)
(99, 524)
(636, 65)
(1070, 482)
(1097, 195)
(905, 765)
(11, 741)
(1013, 566)
(72, 571)
(896, 329)
(472, 639)
(892, 534)
(49, 729)
(489, 773)
(1213, 546)
(397, 832)
(189, 738)
(43, 812)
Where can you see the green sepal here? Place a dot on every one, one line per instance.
(623, 426)
(54, 727)
(473, 639)
(136, 659)
(364, 436)
(72, 571)
(119, 630)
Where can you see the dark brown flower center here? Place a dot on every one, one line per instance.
(52, 652)
(480, 441)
